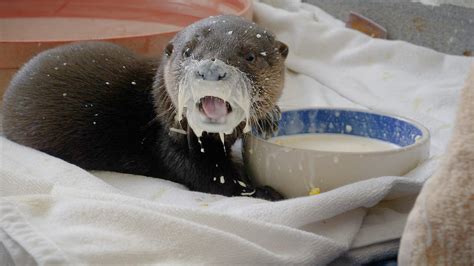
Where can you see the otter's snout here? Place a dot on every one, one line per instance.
(211, 70)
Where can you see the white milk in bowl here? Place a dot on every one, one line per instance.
(320, 149)
(334, 143)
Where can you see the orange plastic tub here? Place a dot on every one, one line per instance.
(28, 27)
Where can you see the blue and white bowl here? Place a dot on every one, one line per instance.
(295, 171)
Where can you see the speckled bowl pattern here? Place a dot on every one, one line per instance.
(294, 172)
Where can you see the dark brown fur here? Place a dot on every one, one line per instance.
(102, 107)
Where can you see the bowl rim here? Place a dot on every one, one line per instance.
(240, 12)
(112, 38)
(425, 138)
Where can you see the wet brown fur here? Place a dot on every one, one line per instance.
(102, 107)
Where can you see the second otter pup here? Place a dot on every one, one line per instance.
(102, 107)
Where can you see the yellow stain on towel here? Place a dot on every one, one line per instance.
(445, 126)
(314, 191)
(386, 75)
(417, 103)
(157, 195)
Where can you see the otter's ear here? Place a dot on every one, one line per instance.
(169, 49)
(282, 48)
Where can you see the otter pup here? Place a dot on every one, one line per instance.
(101, 107)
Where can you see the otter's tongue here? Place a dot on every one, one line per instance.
(214, 107)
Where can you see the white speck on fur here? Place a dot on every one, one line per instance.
(64, 94)
(258, 35)
(267, 79)
(263, 53)
(108, 83)
(217, 165)
(230, 32)
(247, 193)
(94, 122)
(123, 67)
(96, 114)
(214, 178)
(177, 130)
(222, 179)
(56, 68)
(242, 184)
(134, 83)
(64, 63)
(202, 150)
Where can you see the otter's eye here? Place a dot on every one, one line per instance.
(250, 57)
(187, 52)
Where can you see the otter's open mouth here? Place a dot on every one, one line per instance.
(214, 109)
(213, 114)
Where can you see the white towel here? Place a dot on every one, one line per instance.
(54, 212)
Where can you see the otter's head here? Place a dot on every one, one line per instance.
(222, 72)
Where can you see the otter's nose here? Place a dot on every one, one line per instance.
(211, 72)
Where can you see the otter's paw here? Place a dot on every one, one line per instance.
(267, 193)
